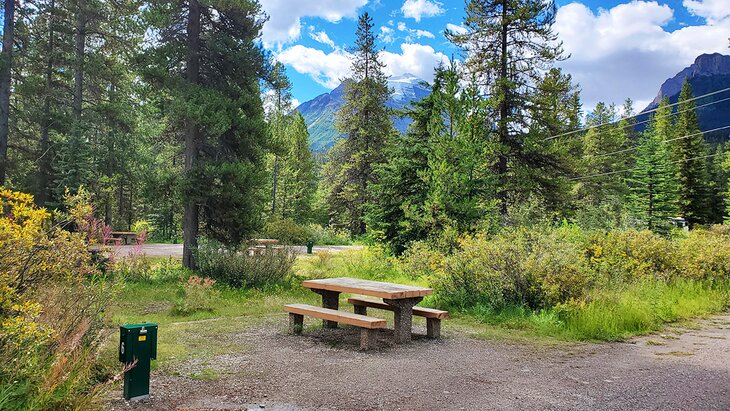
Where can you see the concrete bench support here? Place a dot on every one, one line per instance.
(368, 325)
(433, 316)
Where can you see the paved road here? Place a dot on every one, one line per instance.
(175, 250)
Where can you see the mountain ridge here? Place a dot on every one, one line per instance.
(320, 112)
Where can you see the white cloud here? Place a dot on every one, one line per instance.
(457, 29)
(423, 33)
(323, 38)
(327, 69)
(386, 35)
(402, 26)
(285, 16)
(417, 59)
(713, 11)
(421, 8)
(626, 52)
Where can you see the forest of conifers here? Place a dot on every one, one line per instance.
(174, 117)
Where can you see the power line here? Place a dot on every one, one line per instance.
(636, 115)
(636, 168)
(664, 116)
(663, 141)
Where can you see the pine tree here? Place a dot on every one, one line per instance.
(508, 45)
(206, 60)
(297, 172)
(365, 121)
(6, 64)
(726, 167)
(278, 121)
(555, 110)
(690, 154)
(653, 198)
(718, 184)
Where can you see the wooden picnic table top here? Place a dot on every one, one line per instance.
(367, 287)
(123, 233)
(265, 241)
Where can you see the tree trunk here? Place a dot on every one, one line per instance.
(504, 109)
(80, 40)
(191, 217)
(275, 178)
(5, 77)
(44, 169)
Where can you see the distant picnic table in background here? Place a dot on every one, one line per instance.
(117, 237)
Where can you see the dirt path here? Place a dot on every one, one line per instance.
(680, 369)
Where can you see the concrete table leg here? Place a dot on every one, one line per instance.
(331, 300)
(368, 338)
(296, 323)
(403, 315)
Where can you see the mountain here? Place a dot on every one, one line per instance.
(709, 73)
(320, 112)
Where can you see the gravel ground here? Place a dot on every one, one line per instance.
(682, 369)
(176, 250)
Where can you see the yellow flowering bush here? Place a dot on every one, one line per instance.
(50, 297)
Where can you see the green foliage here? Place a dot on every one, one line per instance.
(544, 268)
(653, 184)
(365, 120)
(286, 231)
(692, 167)
(322, 235)
(638, 308)
(241, 267)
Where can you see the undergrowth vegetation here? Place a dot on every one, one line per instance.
(588, 284)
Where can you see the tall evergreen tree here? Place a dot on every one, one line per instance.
(280, 105)
(603, 152)
(653, 198)
(365, 121)
(6, 64)
(297, 179)
(206, 59)
(719, 177)
(508, 45)
(688, 152)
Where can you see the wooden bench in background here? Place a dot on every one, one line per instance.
(127, 236)
(368, 325)
(433, 316)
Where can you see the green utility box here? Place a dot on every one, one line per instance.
(310, 245)
(137, 342)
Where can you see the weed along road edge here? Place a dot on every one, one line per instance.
(683, 367)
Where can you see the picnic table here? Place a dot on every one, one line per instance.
(400, 298)
(125, 236)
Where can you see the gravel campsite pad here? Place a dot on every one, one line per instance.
(679, 368)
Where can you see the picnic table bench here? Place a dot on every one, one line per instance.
(368, 325)
(398, 298)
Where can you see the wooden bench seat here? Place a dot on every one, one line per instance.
(368, 325)
(433, 316)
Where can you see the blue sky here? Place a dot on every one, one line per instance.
(618, 48)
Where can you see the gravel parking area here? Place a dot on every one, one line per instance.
(681, 368)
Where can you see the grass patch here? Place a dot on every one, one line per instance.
(208, 374)
(611, 315)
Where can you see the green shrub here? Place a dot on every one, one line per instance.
(240, 267)
(705, 255)
(534, 269)
(630, 255)
(421, 259)
(195, 294)
(286, 231)
(327, 235)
